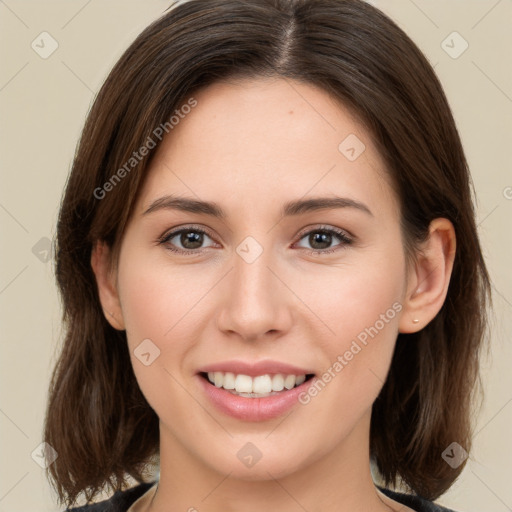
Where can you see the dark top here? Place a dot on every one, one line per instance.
(121, 501)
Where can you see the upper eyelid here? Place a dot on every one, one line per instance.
(176, 231)
(325, 227)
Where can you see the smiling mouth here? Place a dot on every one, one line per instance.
(259, 386)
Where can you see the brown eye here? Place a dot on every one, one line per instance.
(321, 240)
(185, 241)
(191, 239)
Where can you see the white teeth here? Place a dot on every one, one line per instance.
(278, 382)
(289, 381)
(218, 379)
(262, 385)
(229, 381)
(243, 384)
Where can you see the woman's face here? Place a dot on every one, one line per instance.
(263, 290)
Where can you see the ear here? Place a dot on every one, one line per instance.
(429, 279)
(107, 288)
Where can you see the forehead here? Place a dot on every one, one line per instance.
(267, 141)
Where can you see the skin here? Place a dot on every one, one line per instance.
(251, 147)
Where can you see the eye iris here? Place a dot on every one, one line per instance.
(192, 237)
(324, 239)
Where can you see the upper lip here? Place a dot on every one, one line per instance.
(254, 369)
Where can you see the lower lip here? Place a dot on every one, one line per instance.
(253, 409)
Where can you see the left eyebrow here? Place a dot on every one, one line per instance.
(323, 203)
(291, 208)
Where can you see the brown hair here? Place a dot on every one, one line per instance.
(97, 418)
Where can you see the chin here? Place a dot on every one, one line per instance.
(257, 461)
(262, 471)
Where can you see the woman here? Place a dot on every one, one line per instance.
(271, 276)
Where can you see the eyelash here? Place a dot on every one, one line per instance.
(345, 240)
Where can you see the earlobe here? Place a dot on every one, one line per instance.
(105, 280)
(430, 277)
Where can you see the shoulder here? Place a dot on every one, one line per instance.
(415, 502)
(119, 502)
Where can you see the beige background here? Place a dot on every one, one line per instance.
(43, 103)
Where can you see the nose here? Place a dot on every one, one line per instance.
(257, 304)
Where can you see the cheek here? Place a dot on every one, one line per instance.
(365, 292)
(361, 305)
(371, 302)
(159, 304)
(357, 360)
(156, 298)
